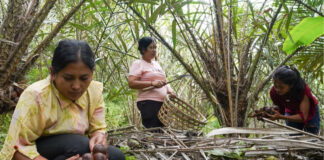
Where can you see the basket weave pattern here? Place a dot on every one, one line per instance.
(178, 114)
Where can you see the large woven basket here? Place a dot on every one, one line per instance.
(178, 114)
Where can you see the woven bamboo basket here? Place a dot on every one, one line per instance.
(177, 114)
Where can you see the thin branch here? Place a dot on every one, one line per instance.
(9, 42)
(263, 4)
(125, 53)
(197, 46)
(188, 42)
(292, 128)
(310, 8)
(31, 9)
(264, 40)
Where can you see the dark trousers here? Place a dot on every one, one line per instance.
(61, 147)
(149, 113)
(312, 126)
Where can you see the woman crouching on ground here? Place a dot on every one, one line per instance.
(53, 115)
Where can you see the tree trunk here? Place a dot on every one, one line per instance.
(15, 38)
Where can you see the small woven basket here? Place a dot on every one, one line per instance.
(178, 114)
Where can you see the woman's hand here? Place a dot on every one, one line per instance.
(172, 95)
(276, 115)
(98, 138)
(158, 83)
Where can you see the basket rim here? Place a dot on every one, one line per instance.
(203, 121)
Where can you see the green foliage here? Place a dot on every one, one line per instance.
(115, 115)
(311, 62)
(211, 125)
(34, 74)
(4, 127)
(304, 33)
(126, 149)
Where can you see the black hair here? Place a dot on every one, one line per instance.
(69, 51)
(143, 43)
(291, 77)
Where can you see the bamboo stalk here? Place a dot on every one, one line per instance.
(228, 77)
(226, 55)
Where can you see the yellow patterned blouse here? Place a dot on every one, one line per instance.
(42, 110)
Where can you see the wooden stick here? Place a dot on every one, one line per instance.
(196, 149)
(181, 142)
(174, 139)
(9, 42)
(288, 127)
(121, 129)
(135, 131)
(148, 88)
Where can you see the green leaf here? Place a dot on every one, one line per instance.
(147, 15)
(279, 25)
(158, 11)
(304, 33)
(122, 41)
(251, 9)
(174, 33)
(79, 26)
(136, 30)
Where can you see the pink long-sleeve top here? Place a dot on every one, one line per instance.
(149, 72)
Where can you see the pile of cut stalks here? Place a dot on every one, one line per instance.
(223, 143)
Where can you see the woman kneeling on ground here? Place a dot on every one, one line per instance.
(53, 115)
(296, 103)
